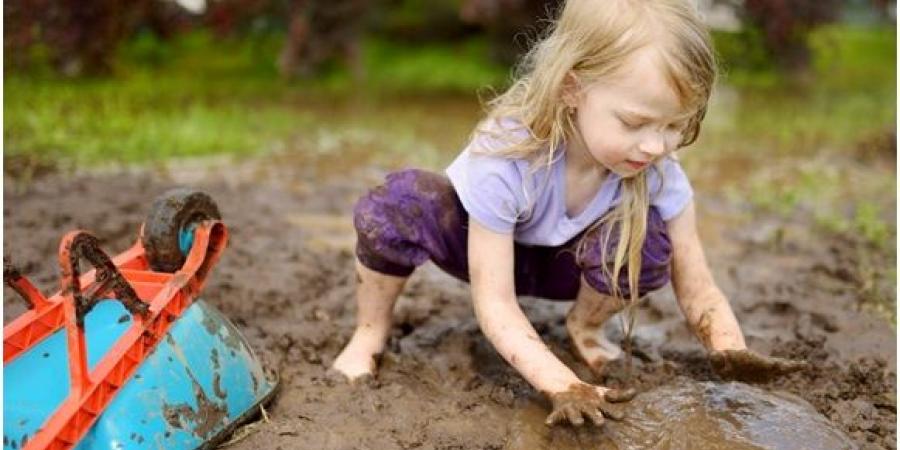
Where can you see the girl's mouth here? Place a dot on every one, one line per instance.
(636, 164)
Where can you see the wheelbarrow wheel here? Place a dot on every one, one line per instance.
(172, 218)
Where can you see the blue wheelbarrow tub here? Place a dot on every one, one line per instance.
(200, 382)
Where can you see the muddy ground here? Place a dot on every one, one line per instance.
(286, 279)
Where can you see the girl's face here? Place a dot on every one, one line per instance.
(632, 118)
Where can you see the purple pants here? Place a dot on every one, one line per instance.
(416, 216)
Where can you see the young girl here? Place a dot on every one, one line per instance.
(568, 190)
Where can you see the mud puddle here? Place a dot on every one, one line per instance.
(286, 280)
(689, 415)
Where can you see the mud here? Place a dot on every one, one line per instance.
(287, 281)
(685, 414)
(86, 246)
(209, 414)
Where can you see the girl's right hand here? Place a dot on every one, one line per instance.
(582, 399)
(751, 367)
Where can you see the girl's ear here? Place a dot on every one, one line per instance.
(571, 89)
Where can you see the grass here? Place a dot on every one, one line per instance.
(134, 120)
(196, 96)
(806, 136)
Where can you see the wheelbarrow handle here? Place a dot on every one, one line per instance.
(77, 245)
(23, 286)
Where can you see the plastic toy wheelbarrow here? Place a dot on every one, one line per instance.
(126, 355)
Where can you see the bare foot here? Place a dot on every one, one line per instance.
(585, 326)
(595, 350)
(360, 357)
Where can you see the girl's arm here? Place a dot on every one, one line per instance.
(708, 312)
(703, 304)
(491, 271)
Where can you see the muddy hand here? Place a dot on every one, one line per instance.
(582, 400)
(749, 366)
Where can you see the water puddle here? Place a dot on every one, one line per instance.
(689, 415)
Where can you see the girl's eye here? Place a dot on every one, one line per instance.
(630, 125)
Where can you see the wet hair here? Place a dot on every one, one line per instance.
(592, 39)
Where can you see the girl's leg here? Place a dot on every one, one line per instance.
(594, 306)
(376, 294)
(585, 324)
(415, 216)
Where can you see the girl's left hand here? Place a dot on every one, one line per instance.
(749, 366)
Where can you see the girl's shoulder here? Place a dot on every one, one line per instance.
(669, 187)
(487, 152)
(492, 135)
(477, 164)
(493, 186)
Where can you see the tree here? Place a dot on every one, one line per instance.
(80, 36)
(319, 31)
(786, 24)
(509, 23)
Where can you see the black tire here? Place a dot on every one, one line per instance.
(170, 213)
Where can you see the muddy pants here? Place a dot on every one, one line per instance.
(416, 216)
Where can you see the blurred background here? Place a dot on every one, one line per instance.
(802, 125)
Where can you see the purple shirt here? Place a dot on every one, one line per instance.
(498, 191)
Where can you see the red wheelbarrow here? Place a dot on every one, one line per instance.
(126, 355)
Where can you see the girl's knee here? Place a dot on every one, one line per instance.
(395, 220)
(407, 198)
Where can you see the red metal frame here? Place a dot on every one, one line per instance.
(91, 391)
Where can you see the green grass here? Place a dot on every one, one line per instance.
(806, 135)
(196, 96)
(136, 119)
(849, 93)
(462, 68)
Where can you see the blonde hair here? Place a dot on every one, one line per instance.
(592, 39)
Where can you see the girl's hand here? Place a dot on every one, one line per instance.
(582, 399)
(749, 366)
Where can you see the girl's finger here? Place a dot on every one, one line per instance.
(574, 416)
(619, 395)
(613, 412)
(596, 417)
(788, 366)
(554, 418)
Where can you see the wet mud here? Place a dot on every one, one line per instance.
(686, 414)
(287, 280)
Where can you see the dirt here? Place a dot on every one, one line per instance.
(286, 280)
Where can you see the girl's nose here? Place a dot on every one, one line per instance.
(653, 144)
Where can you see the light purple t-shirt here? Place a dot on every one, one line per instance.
(497, 191)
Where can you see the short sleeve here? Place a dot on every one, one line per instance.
(489, 188)
(670, 189)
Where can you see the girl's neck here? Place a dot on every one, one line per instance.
(579, 161)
